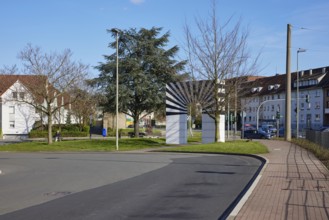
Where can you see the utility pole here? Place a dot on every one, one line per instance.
(288, 88)
(117, 31)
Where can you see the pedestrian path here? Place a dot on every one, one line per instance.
(293, 185)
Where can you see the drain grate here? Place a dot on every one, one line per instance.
(58, 193)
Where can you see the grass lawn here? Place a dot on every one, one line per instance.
(85, 145)
(128, 144)
(235, 147)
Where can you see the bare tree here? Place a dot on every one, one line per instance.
(55, 75)
(218, 52)
(85, 106)
(9, 69)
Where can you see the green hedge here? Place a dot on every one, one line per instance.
(44, 134)
(122, 131)
(63, 127)
(0, 132)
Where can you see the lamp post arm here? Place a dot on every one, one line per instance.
(257, 115)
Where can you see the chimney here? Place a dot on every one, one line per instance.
(301, 73)
(310, 72)
(323, 70)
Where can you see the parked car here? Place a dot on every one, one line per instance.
(324, 129)
(281, 132)
(262, 130)
(254, 134)
(132, 134)
(270, 129)
(249, 127)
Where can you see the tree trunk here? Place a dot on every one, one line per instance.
(217, 130)
(136, 125)
(50, 136)
(217, 111)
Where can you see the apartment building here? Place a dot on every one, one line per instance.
(264, 99)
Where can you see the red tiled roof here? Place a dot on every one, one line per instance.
(31, 82)
(6, 81)
(265, 82)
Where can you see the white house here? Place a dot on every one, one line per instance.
(17, 117)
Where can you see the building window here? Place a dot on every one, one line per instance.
(15, 95)
(22, 95)
(11, 124)
(327, 104)
(302, 106)
(309, 106)
(272, 108)
(317, 117)
(272, 97)
(317, 93)
(328, 93)
(317, 105)
(278, 96)
(11, 109)
(302, 117)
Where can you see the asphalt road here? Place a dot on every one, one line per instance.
(120, 186)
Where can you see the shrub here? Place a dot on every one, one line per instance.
(38, 134)
(74, 134)
(321, 153)
(110, 132)
(64, 127)
(86, 128)
(70, 128)
(44, 134)
(122, 132)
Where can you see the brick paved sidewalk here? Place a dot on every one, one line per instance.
(294, 185)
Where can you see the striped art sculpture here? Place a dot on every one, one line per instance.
(178, 96)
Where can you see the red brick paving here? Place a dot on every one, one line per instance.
(294, 185)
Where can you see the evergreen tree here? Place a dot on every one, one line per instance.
(145, 67)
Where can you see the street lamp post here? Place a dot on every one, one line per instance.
(287, 135)
(300, 50)
(117, 31)
(90, 124)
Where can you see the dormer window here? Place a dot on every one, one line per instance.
(270, 87)
(14, 95)
(259, 89)
(22, 95)
(276, 86)
(253, 90)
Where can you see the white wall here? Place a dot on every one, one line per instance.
(17, 117)
(176, 129)
(208, 129)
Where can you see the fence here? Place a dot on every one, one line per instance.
(318, 137)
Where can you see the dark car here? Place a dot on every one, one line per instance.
(254, 134)
(132, 134)
(281, 132)
(324, 129)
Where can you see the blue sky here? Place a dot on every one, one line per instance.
(80, 25)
